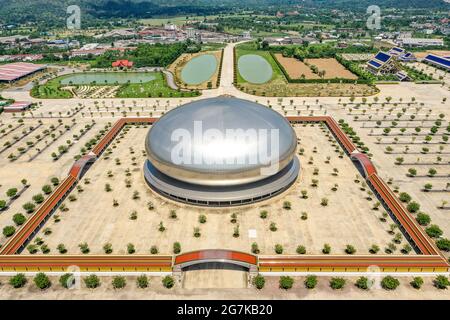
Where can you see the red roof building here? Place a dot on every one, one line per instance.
(122, 64)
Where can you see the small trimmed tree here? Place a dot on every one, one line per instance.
(142, 281)
(311, 282)
(286, 282)
(337, 283)
(259, 281)
(42, 281)
(18, 281)
(67, 280)
(441, 282)
(119, 282)
(363, 283)
(19, 219)
(416, 283)
(389, 283)
(8, 231)
(168, 282)
(434, 231)
(92, 281)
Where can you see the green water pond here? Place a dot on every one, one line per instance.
(199, 69)
(255, 69)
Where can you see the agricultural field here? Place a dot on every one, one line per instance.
(295, 68)
(330, 68)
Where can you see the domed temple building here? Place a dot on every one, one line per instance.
(221, 152)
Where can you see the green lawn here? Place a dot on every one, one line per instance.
(50, 90)
(154, 88)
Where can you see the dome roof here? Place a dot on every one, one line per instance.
(181, 144)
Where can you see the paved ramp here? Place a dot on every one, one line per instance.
(214, 275)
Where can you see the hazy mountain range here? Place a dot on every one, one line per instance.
(32, 10)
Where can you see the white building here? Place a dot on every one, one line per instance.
(420, 42)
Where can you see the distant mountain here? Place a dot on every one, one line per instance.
(54, 11)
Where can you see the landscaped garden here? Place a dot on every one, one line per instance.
(108, 85)
(271, 72)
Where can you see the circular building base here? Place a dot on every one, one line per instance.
(221, 196)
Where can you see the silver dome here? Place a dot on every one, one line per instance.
(221, 114)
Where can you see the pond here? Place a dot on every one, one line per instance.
(199, 69)
(255, 69)
(108, 78)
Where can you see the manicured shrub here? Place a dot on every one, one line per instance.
(326, 248)
(19, 219)
(441, 282)
(168, 282)
(29, 207)
(404, 197)
(107, 248)
(259, 281)
(374, 249)
(417, 282)
(154, 250)
(423, 219)
(389, 283)
(413, 207)
(286, 282)
(130, 248)
(54, 181)
(202, 218)
(32, 248)
(61, 248)
(2, 204)
(443, 244)
(67, 280)
(263, 214)
(287, 205)
(255, 248)
(349, 249)
(434, 231)
(18, 281)
(92, 281)
(84, 248)
(176, 247)
(278, 249)
(12, 192)
(8, 231)
(42, 281)
(337, 283)
(47, 189)
(311, 282)
(119, 282)
(142, 281)
(363, 283)
(301, 249)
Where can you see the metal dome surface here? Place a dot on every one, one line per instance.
(222, 158)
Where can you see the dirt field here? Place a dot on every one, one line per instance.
(333, 69)
(296, 68)
(347, 219)
(423, 54)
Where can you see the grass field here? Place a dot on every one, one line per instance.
(155, 88)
